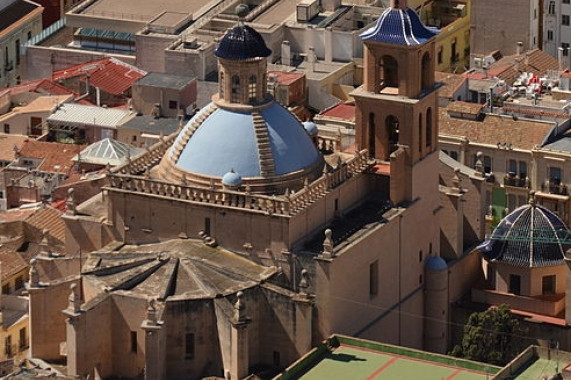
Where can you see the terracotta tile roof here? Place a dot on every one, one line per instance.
(343, 110)
(11, 263)
(451, 83)
(285, 78)
(15, 215)
(49, 218)
(57, 157)
(465, 107)
(43, 86)
(109, 74)
(534, 61)
(566, 74)
(523, 134)
(7, 143)
(529, 111)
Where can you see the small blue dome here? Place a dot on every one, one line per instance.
(232, 179)
(399, 26)
(435, 263)
(242, 43)
(310, 128)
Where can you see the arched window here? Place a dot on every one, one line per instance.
(429, 127)
(392, 128)
(420, 132)
(221, 85)
(235, 89)
(252, 90)
(425, 71)
(372, 135)
(389, 71)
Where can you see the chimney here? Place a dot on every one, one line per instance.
(519, 48)
(286, 53)
(560, 58)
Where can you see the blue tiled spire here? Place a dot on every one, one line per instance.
(242, 43)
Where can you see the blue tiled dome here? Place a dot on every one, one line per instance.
(228, 138)
(310, 128)
(232, 179)
(435, 263)
(530, 236)
(242, 43)
(399, 26)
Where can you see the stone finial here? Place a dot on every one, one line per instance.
(328, 245)
(34, 275)
(532, 198)
(44, 244)
(479, 166)
(240, 309)
(74, 299)
(70, 202)
(107, 167)
(151, 312)
(456, 181)
(304, 282)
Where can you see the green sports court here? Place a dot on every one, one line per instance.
(350, 358)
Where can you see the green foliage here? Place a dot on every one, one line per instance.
(489, 337)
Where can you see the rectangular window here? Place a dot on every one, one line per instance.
(19, 283)
(8, 346)
(17, 47)
(6, 289)
(565, 47)
(6, 128)
(487, 161)
(515, 284)
(189, 346)
(548, 284)
(522, 170)
(439, 55)
(512, 167)
(565, 1)
(23, 339)
(565, 20)
(550, 35)
(276, 357)
(555, 175)
(551, 9)
(374, 278)
(207, 226)
(133, 341)
(173, 104)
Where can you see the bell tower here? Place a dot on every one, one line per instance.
(396, 108)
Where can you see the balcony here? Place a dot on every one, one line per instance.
(554, 186)
(551, 305)
(511, 179)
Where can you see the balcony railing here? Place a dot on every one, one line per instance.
(554, 187)
(516, 181)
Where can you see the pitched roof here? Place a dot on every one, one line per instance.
(465, 107)
(533, 61)
(7, 144)
(523, 134)
(451, 83)
(57, 158)
(11, 262)
(42, 86)
(286, 78)
(78, 114)
(47, 217)
(107, 151)
(16, 11)
(109, 74)
(342, 110)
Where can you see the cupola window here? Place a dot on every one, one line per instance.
(235, 89)
(252, 90)
(389, 72)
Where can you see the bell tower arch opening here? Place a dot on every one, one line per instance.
(392, 129)
(426, 82)
(389, 72)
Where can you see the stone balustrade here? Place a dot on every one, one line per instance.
(287, 204)
(148, 158)
(329, 143)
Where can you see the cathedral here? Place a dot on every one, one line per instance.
(236, 244)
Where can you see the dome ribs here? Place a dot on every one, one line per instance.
(267, 164)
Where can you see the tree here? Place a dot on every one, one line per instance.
(489, 337)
